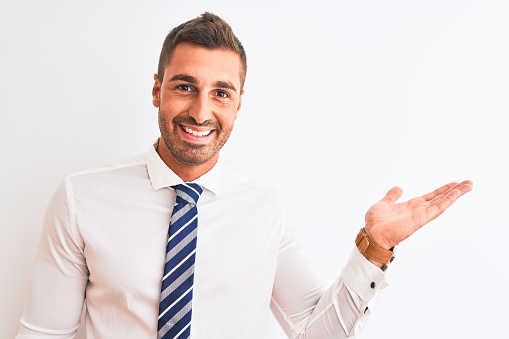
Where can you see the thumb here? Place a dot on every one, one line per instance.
(393, 194)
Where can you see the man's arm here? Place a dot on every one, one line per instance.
(56, 288)
(306, 310)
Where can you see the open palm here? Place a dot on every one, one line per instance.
(388, 222)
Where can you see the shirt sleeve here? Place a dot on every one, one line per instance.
(306, 309)
(56, 287)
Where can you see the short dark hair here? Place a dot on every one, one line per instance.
(209, 31)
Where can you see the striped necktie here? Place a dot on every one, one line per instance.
(177, 288)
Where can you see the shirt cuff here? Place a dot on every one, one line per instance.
(366, 280)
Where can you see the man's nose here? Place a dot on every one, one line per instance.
(201, 109)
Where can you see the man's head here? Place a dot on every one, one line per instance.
(209, 31)
(198, 90)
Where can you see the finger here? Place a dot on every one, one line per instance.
(463, 187)
(442, 194)
(439, 191)
(440, 204)
(393, 194)
(466, 186)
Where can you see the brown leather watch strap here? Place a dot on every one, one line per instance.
(368, 248)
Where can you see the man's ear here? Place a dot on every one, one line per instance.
(156, 91)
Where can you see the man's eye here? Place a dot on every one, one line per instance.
(222, 94)
(185, 88)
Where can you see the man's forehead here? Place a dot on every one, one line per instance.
(204, 64)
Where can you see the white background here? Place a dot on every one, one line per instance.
(344, 99)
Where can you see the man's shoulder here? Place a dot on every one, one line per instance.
(120, 172)
(120, 165)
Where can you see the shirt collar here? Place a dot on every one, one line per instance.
(161, 175)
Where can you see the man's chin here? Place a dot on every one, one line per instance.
(192, 154)
(193, 159)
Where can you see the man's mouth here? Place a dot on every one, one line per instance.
(196, 133)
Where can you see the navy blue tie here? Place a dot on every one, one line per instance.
(177, 288)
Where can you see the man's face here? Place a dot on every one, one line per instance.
(198, 102)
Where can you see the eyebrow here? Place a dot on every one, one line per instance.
(225, 85)
(186, 78)
(192, 80)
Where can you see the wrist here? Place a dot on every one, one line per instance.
(377, 238)
(376, 254)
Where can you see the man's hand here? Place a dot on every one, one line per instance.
(388, 223)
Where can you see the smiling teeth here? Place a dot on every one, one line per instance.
(195, 133)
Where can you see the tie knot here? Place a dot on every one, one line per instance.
(189, 192)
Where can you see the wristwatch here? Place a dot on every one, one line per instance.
(372, 251)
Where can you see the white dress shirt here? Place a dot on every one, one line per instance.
(103, 246)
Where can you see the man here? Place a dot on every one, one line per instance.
(106, 237)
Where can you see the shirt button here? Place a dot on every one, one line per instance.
(373, 285)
